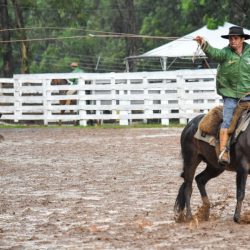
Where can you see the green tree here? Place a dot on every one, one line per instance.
(82, 30)
(6, 49)
(163, 18)
(24, 47)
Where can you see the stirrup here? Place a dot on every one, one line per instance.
(223, 161)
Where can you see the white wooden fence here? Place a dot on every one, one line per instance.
(110, 97)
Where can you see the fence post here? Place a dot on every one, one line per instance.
(17, 101)
(81, 104)
(147, 101)
(46, 101)
(125, 103)
(113, 95)
(164, 111)
(181, 98)
(164, 104)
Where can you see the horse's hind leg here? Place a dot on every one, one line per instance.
(201, 179)
(184, 195)
(188, 177)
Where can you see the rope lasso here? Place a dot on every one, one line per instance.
(91, 33)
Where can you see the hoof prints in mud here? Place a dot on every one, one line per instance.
(71, 188)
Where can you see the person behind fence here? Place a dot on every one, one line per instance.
(75, 69)
(232, 80)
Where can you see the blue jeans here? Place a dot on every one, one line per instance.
(229, 105)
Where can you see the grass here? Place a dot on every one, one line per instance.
(103, 126)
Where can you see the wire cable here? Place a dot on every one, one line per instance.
(104, 34)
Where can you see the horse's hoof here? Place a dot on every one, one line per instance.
(179, 217)
(237, 219)
(189, 217)
(203, 212)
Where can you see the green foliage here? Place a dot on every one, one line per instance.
(187, 5)
(166, 18)
(211, 23)
(72, 18)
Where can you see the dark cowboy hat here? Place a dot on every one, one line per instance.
(236, 31)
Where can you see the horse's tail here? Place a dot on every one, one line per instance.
(180, 201)
(186, 138)
(189, 163)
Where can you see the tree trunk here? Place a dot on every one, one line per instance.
(24, 48)
(6, 46)
(128, 17)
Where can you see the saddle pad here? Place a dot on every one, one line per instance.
(210, 139)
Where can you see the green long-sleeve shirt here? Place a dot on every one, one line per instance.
(233, 74)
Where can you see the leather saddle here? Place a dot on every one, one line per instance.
(209, 126)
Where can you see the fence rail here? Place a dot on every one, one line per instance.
(118, 97)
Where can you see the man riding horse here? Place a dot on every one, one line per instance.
(233, 79)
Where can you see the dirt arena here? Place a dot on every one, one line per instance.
(74, 188)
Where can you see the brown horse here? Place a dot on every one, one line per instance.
(61, 92)
(195, 151)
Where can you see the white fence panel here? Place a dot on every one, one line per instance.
(116, 97)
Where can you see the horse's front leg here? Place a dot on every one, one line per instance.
(241, 179)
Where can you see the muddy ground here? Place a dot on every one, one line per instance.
(72, 188)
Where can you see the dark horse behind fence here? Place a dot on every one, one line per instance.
(193, 152)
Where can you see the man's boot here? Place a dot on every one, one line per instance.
(224, 157)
